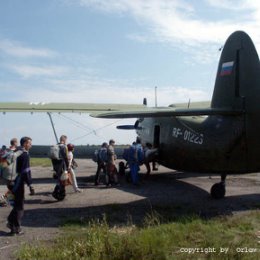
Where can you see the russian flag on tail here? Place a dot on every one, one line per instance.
(226, 68)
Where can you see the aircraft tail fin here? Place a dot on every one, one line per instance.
(238, 74)
(237, 87)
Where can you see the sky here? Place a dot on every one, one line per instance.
(110, 51)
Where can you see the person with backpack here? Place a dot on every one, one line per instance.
(135, 158)
(101, 163)
(9, 169)
(60, 162)
(23, 176)
(13, 153)
(111, 166)
(10, 157)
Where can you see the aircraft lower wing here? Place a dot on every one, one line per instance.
(66, 107)
(167, 112)
(118, 110)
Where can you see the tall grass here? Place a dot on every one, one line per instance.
(97, 240)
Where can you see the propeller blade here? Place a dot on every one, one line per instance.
(128, 127)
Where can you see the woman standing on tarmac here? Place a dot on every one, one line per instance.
(71, 166)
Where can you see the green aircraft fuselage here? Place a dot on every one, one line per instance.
(204, 144)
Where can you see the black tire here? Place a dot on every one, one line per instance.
(218, 191)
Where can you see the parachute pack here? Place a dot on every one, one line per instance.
(95, 156)
(135, 154)
(102, 155)
(54, 152)
(8, 164)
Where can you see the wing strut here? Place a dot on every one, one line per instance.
(52, 124)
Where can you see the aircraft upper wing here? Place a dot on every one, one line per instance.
(66, 107)
(195, 109)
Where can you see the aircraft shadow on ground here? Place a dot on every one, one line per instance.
(170, 198)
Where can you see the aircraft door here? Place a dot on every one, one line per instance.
(156, 136)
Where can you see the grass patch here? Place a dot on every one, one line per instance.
(44, 162)
(97, 240)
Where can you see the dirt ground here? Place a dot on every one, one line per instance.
(168, 192)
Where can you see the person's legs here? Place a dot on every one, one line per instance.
(97, 174)
(148, 168)
(15, 217)
(134, 172)
(74, 181)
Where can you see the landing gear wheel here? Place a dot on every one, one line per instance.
(218, 191)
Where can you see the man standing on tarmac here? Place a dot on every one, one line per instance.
(59, 166)
(135, 158)
(102, 163)
(23, 176)
(111, 165)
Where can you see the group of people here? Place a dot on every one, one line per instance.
(105, 158)
(135, 155)
(15, 170)
(63, 166)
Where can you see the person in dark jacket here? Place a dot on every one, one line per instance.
(23, 176)
(101, 163)
(59, 166)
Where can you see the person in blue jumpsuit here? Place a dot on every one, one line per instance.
(135, 158)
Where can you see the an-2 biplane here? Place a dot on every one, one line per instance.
(221, 136)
